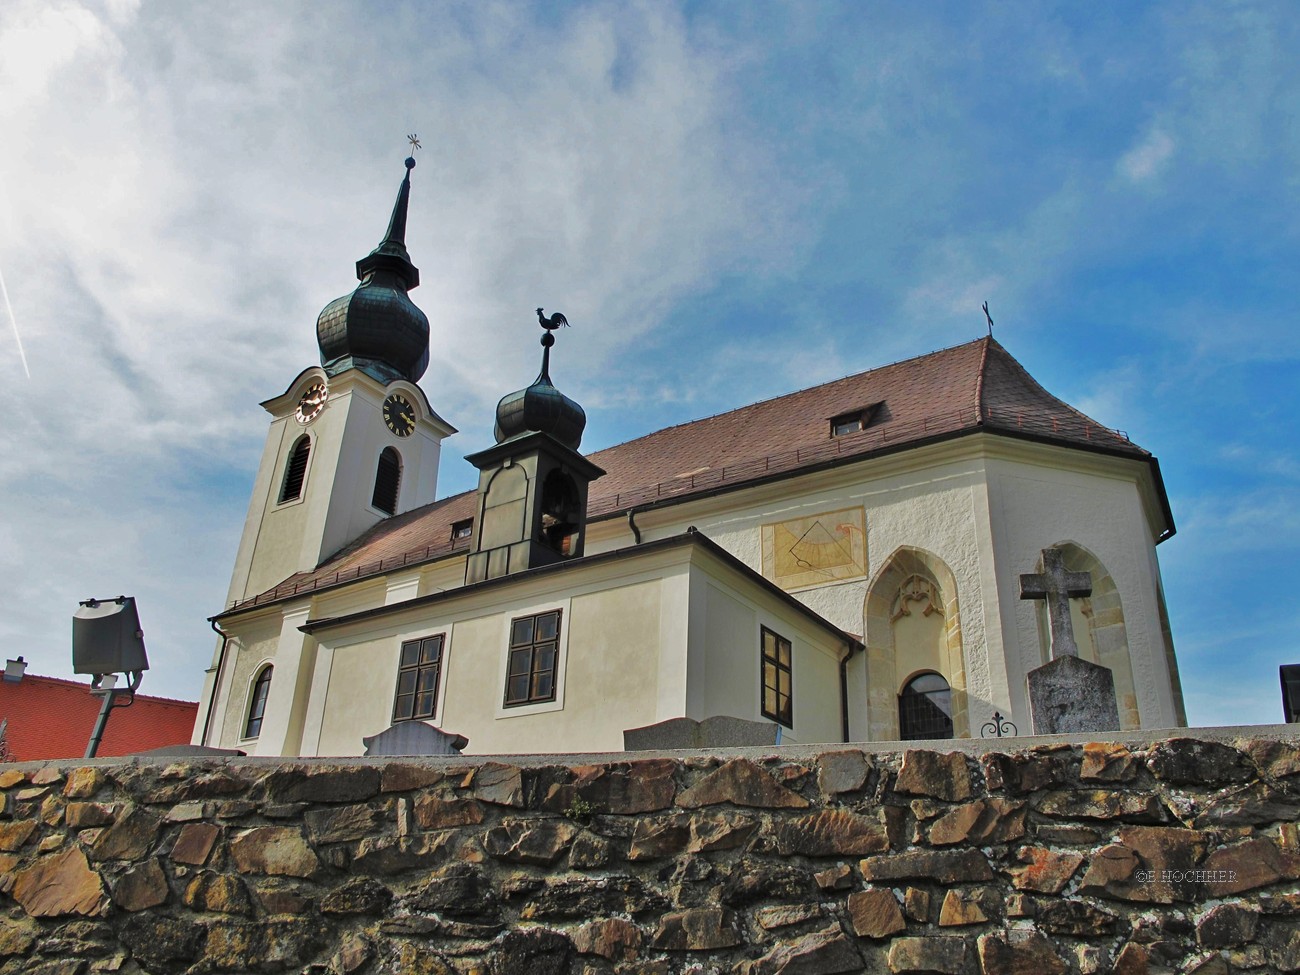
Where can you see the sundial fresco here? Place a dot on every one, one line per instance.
(810, 550)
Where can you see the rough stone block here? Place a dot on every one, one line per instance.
(741, 783)
(59, 885)
(1070, 695)
(194, 843)
(1019, 953)
(826, 952)
(830, 832)
(275, 851)
(946, 956)
(874, 913)
(940, 775)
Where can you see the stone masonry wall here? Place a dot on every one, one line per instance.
(1176, 855)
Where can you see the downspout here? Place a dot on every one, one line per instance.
(631, 521)
(844, 692)
(216, 681)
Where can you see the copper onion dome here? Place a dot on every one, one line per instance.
(540, 407)
(377, 328)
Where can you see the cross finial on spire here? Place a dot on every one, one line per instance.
(989, 318)
(414, 140)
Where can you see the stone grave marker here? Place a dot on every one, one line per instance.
(414, 738)
(720, 731)
(1067, 694)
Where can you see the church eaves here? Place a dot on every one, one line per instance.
(967, 389)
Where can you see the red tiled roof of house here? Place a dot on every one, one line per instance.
(970, 387)
(52, 718)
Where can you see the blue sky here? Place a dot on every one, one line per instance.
(729, 200)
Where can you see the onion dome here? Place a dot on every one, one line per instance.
(540, 407)
(376, 328)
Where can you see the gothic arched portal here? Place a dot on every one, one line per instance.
(912, 626)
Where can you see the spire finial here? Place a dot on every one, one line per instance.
(989, 318)
(548, 340)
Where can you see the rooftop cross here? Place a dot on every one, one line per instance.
(989, 317)
(1057, 586)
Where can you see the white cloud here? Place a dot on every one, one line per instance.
(187, 187)
(1147, 159)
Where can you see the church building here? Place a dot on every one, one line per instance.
(841, 563)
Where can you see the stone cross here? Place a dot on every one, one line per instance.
(1057, 586)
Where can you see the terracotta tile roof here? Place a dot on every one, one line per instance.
(53, 718)
(969, 387)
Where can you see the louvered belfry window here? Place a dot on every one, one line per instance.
(388, 478)
(295, 470)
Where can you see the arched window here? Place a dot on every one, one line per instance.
(257, 702)
(295, 470)
(561, 513)
(388, 478)
(925, 708)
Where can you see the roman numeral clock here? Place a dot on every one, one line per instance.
(399, 415)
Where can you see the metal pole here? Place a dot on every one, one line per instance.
(93, 745)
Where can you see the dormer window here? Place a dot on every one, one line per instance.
(857, 420)
(462, 529)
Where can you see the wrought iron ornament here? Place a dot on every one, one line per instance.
(989, 318)
(414, 140)
(998, 727)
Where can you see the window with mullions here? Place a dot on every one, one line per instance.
(257, 703)
(417, 678)
(777, 671)
(534, 650)
(925, 709)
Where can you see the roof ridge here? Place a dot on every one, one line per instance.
(796, 392)
(1019, 367)
(979, 380)
(71, 684)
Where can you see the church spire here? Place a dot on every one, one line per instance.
(393, 246)
(376, 328)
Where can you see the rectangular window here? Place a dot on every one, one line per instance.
(534, 647)
(462, 529)
(777, 670)
(417, 678)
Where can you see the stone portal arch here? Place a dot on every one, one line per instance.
(1099, 629)
(912, 625)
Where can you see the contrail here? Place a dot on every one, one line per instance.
(13, 321)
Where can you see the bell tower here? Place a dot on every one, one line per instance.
(532, 488)
(354, 440)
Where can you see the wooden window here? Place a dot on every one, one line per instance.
(388, 478)
(462, 529)
(295, 470)
(417, 678)
(925, 709)
(257, 703)
(778, 671)
(534, 653)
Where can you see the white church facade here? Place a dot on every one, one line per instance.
(842, 562)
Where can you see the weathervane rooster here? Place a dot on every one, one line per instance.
(552, 323)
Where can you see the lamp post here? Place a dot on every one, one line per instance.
(107, 641)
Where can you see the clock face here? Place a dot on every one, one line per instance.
(399, 415)
(312, 402)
